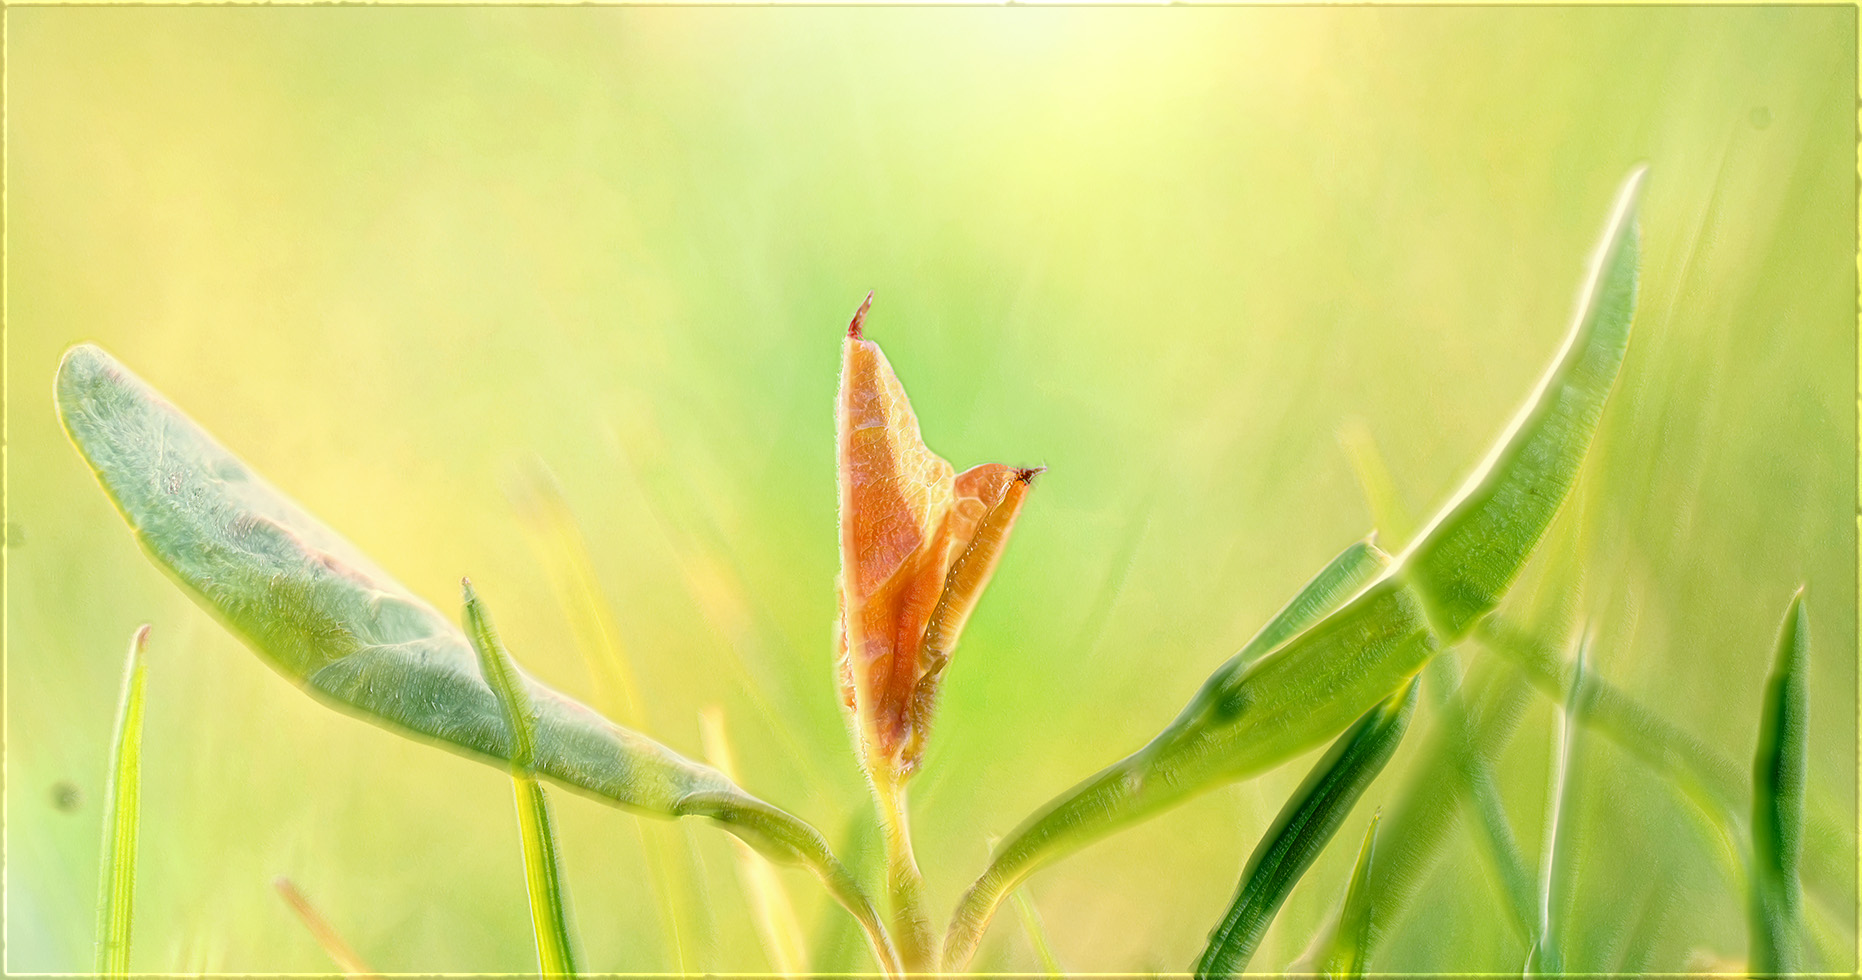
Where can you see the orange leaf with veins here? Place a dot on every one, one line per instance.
(918, 543)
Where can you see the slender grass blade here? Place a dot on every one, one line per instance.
(1306, 824)
(1546, 954)
(549, 902)
(1389, 514)
(320, 929)
(346, 632)
(1344, 955)
(1429, 806)
(563, 551)
(1778, 778)
(1037, 934)
(776, 925)
(1257, 713)
(122, 809)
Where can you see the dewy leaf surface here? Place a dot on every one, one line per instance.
(1253, 715)
(343, 630)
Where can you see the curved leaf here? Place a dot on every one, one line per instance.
(1254, 715)
(1201, 749)
(333, 623)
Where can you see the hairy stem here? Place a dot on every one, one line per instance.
(905, 886)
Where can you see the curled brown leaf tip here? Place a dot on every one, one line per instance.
(1028, 474)
(859, 317)
(918, 543)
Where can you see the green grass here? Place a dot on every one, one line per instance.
(1303, 830)
(1168, 253)
(543, 872)
(116, 891)
(1778, 780)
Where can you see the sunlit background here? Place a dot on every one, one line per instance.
(403, 261)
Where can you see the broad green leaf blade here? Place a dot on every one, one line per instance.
(1466, 557)
(1204, 747)
(1301, 832)
(122, 809)
(340, 628)
(1344, 956)
(1778, 778)
(320, 929)
(549, 900)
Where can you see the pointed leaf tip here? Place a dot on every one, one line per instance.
(858, 325)
(1028, 474)
(141, 639)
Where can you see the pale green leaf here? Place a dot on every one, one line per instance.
(339, 627)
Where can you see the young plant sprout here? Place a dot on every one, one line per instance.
(1341, 662)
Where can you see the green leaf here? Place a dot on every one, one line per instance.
(1350, 945)
(122, 808)
(1313, 676)
(549, 902)
(333, 623)
(1301, 832)
(1195, 753)
(1466, 557)
(1778, 779)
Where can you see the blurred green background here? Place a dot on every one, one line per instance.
(396, 257)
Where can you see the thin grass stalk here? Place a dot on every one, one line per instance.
(549, 907)
(1426, 811)
(777, 927)
(1499, 844)
(563, 551)
(1037, 934)
(326, 936)
(122, 810)
(1545, 955)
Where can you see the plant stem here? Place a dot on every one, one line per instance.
(905, 887)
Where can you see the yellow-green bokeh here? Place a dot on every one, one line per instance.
(392, 256)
